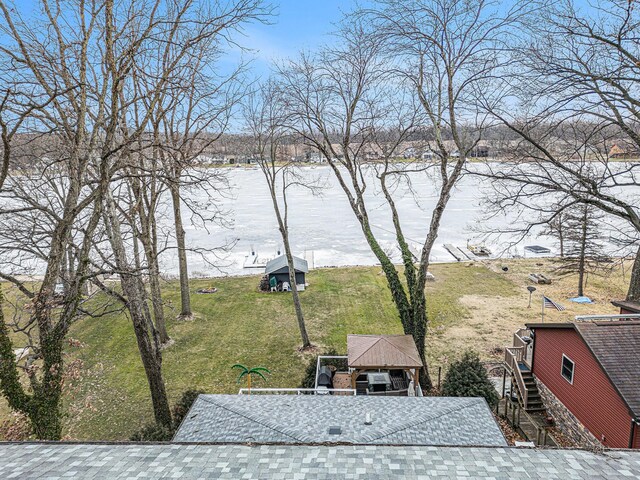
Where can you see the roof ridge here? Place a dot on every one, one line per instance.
(410, 355)
(259, 422)
(417, 421)
(367, 349)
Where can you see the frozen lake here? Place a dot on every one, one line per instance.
(323, 228)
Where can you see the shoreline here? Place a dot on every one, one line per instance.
(258, 271)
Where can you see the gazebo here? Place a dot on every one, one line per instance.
(382, 352)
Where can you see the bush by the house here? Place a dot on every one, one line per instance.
(157, 433)
(309, 380)
(467, 377)
(152, 433)
(181, 408)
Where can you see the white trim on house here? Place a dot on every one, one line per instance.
(573, 368)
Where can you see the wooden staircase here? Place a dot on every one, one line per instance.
(522, 380)
(534, 402)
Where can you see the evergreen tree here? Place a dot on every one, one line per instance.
(584, 253)
(556, 228)
(467, 377)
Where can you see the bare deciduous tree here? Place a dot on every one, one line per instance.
(78, 60)
(191, 118)
(572, 103)
(44, 60)
(265, 118)
(348, 98)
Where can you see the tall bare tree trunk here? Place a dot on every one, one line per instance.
(146, 234)
(306, 343)
(134, 292)
(185, 296)
(583, 253)
(633, 294)
(156, 294)
(284, 232)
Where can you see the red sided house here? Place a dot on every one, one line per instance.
(586, 374)
(627, 307)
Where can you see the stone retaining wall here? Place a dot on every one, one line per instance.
(567, 421)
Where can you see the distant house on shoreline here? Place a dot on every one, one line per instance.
(622, 151)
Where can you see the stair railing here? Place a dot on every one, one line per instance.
(519, 342)
(512, 357)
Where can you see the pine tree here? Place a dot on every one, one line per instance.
(467, 377)
(556, 228)
(584, 252)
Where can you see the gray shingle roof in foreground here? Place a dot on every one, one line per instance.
(307, 418)
(190, 462)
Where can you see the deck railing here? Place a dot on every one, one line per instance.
(517, 337)
(512, 357)
(297, 391)
(519, 342)
(326, 357)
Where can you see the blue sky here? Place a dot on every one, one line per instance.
(297, 25)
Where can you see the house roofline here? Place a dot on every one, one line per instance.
(550, 325)
(626, 304)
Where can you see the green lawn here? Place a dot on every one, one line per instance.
(238, 324)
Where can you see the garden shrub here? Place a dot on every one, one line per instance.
(152, 433)
(309, 379)
(157, 433)
(467, 377)
(181, 408)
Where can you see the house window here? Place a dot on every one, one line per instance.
(567, 368)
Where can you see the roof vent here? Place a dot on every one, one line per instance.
(335, 431)
(367, 419)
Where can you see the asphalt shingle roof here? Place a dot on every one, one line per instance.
(191, 462)
(297, 419)
(616, 345)
(299, 264)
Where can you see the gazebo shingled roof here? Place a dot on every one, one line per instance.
(382, 351)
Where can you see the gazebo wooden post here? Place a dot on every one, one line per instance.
(354, 376)
(416, 379)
